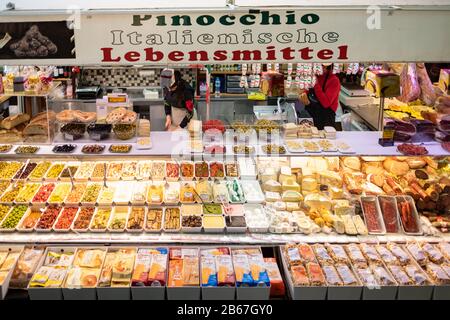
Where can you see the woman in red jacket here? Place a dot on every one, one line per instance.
(322, 101)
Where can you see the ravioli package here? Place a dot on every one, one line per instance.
(208, 271)
(242, 269)
(225, 271)
(157, 272)
(258, 270)
(48, 277)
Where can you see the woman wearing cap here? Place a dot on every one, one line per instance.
(322, 101)
(178, 103)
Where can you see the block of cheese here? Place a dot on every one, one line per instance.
(330, 178)
(349, 225)
(272, 196)
(290, 184)
(292, 206)
(336, 193)
(338, 224)
(343, 207)
(291, 196)
(268, 174)
(272, 185)
(318, 202)
(360, 225)
(285, 173)
(309, 184)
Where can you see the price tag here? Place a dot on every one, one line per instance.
(69, 137)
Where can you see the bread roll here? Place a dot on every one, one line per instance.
(416, 163)
(353, 163)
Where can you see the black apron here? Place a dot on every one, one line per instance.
(322, 116)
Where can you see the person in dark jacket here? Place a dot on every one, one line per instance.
(322, 101)
(178, 103)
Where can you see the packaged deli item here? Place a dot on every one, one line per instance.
(141, 267)
(306, 253)
(9, 261)
(382, 276)
(400, 275)
(433, 254)
(338, 254)
(371, 254)
(408, 215)
(445, 249)
(225, 271)
(48, 277)
(208, 271)
(315, 274)
(366, 276)
(158, 268)
(191, 271)
(416, 274)
(438, 274)
(242, 270)
(400, 253)
(386, 255)
(122, 267)
(417, 253)
(106, 273)
(356, 256)
(347, 275)
(293, 255)
(258, 270)
(322, 254)
(299, 276)
(78, 277)
(332, 276)
(25, 267)
(89, 258)
(175, 273)
(59, 259)
(390, 214)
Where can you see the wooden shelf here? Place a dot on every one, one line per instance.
(24, 94)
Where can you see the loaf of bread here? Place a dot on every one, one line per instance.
(10, 136)
(352, 163)
(37, 127)
(13, 121)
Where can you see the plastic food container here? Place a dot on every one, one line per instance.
(119, 219)
(101, 219)
(188, 229)
(48, 219)
(83, 219)
(408, 216)
(172, 193)
(372, 215)
(66, 217)
(137, 219)
(172, 216)
(388, 207)
(201, 169)
(213, 223)
(256, 218)
(172, 171)
(252, 191)
(158, 171)
(29, 220)
(154, 220)
(187, 170)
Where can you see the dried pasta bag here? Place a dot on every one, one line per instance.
(242, 270)
(371, 254)
(25, 267)
(399, 253)
(258, 270)
(299, 276)
(106, 273)
(382, 275)
(347, 275)
(438, 274)
(293, 255)
(386, 255)
(416, 275)
(367, 277)
(332, 276)
(355, 255)
(209, 273)
(400, 276)
(306, 253)
(225, 271)
(315, 274)
(157, 272)
(338, 254)
(277, 288)
(418, 254)
(445, 249)
(433, 253)
(322, 254)
(58, 259)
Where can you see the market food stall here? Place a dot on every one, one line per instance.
(253, 204)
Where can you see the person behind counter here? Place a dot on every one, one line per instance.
(178, 103)
(322, 101)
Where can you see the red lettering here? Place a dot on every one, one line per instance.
(176, 55)
(151, 55)
(107, 55)
(305, 53)
(325, 54)
(193, 55)
(343, 53)
(220, 55)
(287, 53)
(132, 56)
(270, 50)
(239, 55)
